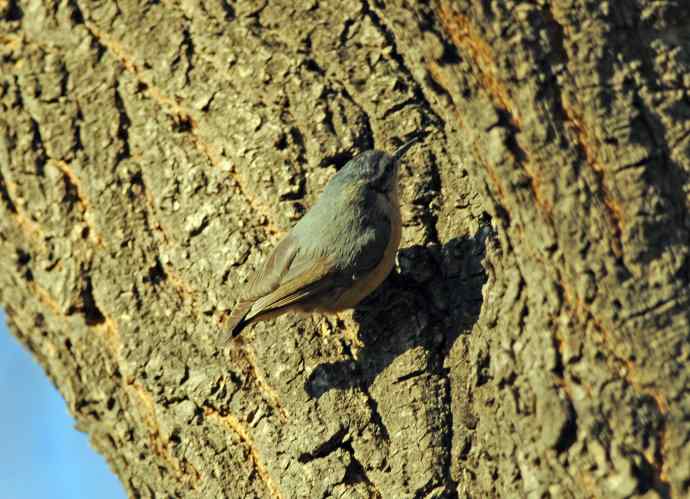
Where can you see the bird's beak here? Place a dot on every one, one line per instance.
(400, 151)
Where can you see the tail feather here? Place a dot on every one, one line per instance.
(235, 323)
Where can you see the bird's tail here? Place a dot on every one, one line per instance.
(235, 323)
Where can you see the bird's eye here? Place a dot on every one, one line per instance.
(382, 173)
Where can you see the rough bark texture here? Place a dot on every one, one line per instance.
(533, 341)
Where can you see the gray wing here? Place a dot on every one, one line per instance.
(272, 271)
(288, 275)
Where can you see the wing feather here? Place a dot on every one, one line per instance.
(287, 276)
(303, 285)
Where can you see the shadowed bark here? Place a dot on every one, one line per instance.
(533, 340)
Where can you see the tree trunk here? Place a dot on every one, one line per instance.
(533, 340)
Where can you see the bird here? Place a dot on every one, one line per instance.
(338, 253)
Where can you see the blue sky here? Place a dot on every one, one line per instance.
(41, 454)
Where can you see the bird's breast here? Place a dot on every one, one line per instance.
(366, 284)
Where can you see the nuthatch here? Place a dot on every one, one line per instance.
(339, 252)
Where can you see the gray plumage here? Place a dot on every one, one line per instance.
(338, 253)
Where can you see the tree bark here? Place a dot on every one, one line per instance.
(533, 341)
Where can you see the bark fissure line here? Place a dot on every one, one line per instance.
(243, 434)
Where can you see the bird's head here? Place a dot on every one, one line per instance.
(377, 169)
